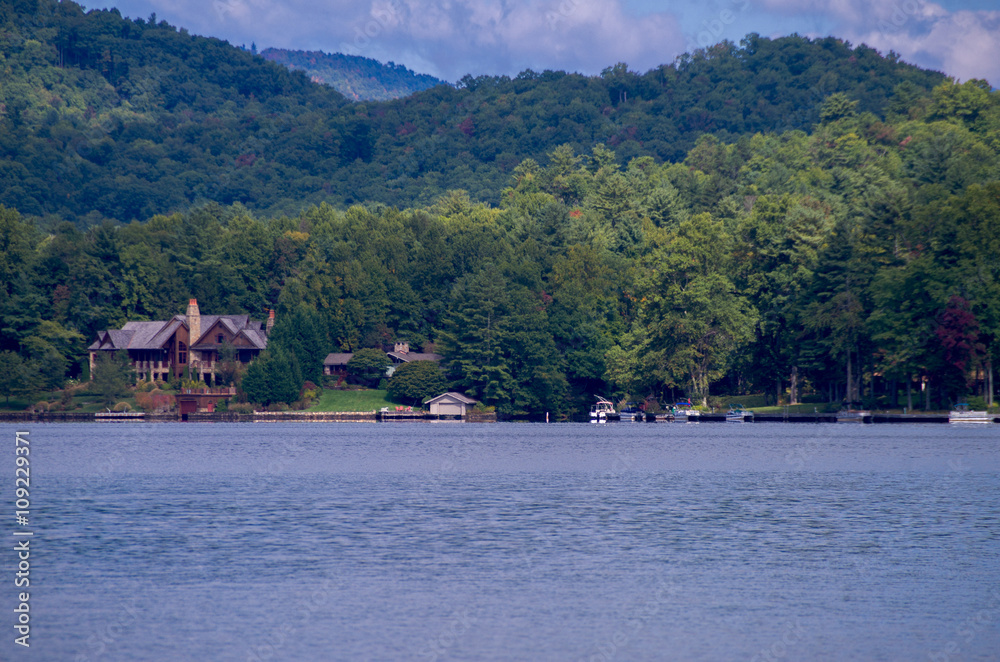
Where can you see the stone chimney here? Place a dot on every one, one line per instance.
(194, 321)
(401, 348)
(270, 323)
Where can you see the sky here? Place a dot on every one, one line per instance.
(451, 38)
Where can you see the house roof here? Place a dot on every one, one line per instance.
(406, 357)
(235, 325)
(163, 336)
(156, 335)
(335, 358)
(452, 395)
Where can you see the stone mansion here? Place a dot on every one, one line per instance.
(160, 349)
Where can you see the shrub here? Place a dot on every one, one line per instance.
(123, 406)
(241, 408)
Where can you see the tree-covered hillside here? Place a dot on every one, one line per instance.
(857, 263)
(106, 117)
(357, 78)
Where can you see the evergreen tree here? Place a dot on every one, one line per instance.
(111, 377)
(414, 382)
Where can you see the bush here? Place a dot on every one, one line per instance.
(241, 408)
(123, 406)
(977, 403)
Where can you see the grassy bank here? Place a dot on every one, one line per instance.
(332, 400)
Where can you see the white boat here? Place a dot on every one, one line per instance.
(851, 416)
(684, 411)
(632, 413)
(603, 410)
(962, 414)
(739, 414)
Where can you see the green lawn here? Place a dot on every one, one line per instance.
(372, 400)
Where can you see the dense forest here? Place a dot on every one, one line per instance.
(800, 218)
(104, 117)
(357, 78)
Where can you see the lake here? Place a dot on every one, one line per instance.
(510, 541)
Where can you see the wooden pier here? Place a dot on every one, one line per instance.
(858, 417)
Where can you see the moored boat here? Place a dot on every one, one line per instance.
(684, 411)
(739, 414)
(603, 410)
(962, 414)
(631, 413)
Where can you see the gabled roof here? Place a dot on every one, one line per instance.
(236, 326)
(156, 335)
(256, 337)
(414, 356)
(335, 358)
(451, 395)
(163, 336)
(232, 323)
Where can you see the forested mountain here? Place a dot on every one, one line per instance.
(800, 218)
(357, 78)
(107, 117)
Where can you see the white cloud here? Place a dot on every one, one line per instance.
(450, 38)
(455, 36)
(964, 44)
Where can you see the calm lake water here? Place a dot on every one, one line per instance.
(452, 541)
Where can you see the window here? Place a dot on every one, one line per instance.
(182, 356)
(219, 338)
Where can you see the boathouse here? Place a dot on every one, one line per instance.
(450, 404)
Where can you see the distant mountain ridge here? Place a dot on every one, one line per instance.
(358, 78)
(107, 117)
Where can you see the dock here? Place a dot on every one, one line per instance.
(866, 418)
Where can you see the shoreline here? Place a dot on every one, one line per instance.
(393, 417)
